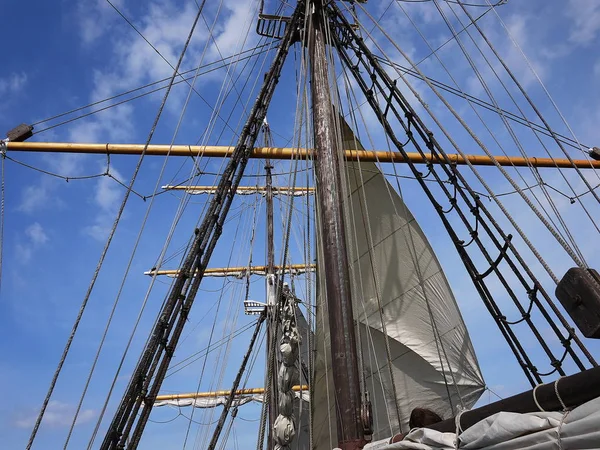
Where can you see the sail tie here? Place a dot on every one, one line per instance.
(566, 412)
(459, 430)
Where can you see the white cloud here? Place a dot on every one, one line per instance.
(519, 26)
(585, 15)
(35, 238)
(95, 18)
(34, 197)
(231, 33)
(137, 61)
(36, 233)
(534, 45)
(42, 195)
(13, 83)
(597, 68)
(23, 252)
(107, 197)
(108, 193)
(58, 415)
(133, 62)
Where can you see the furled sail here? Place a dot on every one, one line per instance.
(220, 400)
(394, 270)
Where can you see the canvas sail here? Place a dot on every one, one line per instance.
(542, 430)
(393, 265)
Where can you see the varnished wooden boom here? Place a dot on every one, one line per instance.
(288, 153)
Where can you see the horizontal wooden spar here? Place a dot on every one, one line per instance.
(252, 391)
(243, 189)
(224, 271)
(288, 153)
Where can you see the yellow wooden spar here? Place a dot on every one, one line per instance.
(240, 392)
(223, 271)
(289, 153)
(244, 189)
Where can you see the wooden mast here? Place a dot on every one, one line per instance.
(272, 299)
(289, 153)
(347, 393)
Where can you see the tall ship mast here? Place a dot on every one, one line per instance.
(335, 231)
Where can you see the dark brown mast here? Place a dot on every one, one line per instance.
(337, 280)
(272, 400)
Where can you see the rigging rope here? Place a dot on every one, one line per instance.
(153, 83)
(135, 327)
(206, 350)
(210, 32)
(513, 134)
(167, 61)
(184, 201)
(144, 94)
(565, 246)
(549, 301)
(535, 108)
(236, 252)
(520, 119)
(235, 386)
(287, 226)
(364, 214)
(106, 247)
(206, 435)
(524, 92)
(238, 97)
(154, 357)
(138, 239)
(371, 64)
(440, 347)
(2, 200)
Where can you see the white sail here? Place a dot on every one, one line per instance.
(393, 266)
(542, 430)
(220, 400)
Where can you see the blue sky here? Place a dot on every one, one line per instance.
(59, 56)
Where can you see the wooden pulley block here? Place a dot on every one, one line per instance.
(579, 293)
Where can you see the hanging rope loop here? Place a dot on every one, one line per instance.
(562, 403)
(459, 430)
(537, 403)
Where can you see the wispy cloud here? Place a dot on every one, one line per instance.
(230, 33)
(35, 237)
(107, 197)
(58, 415)
(12, 83)
(95, 18)
(41, 194)
(529, 41)
(132, 63)
(36, 234)
(33, 197)
(585, 16)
